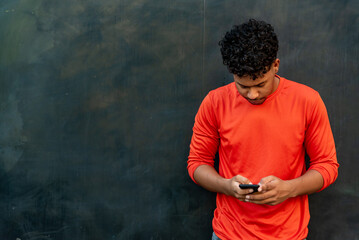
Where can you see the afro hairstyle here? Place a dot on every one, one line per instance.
(249, 49)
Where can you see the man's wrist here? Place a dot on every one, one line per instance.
(294, 186)
(224, 184)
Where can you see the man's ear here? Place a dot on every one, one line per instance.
(276, 65)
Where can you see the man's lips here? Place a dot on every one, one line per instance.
(256, 101)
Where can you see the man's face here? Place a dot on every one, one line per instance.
(257, 91)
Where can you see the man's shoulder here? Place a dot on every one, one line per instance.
(300, 90)
(222, 92)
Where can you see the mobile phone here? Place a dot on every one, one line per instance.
(247, 186)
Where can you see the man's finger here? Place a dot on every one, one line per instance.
(242, 179)
(258, 196)
(265, 183)
(269, 201)
(267, 179)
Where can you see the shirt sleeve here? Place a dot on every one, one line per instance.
(319, 144)
(205, 138)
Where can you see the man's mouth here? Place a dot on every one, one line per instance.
(256, 101)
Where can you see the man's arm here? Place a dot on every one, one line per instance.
(319, 144)
(207, 177)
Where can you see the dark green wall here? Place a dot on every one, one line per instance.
(98, 98)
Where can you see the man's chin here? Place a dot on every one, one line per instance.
(256, 101)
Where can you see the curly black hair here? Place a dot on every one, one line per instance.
(249, 49)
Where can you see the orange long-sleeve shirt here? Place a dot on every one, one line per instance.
(256, 141)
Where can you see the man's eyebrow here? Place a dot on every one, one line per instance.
(257, 85)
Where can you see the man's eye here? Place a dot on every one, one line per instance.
(241, 86)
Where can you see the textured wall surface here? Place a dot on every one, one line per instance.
(98, 98)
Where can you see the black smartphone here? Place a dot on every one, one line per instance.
(247, 186)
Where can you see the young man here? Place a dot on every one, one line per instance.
(261, 125)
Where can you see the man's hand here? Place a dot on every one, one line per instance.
(234, 190)
(208, 177)
(272, 191)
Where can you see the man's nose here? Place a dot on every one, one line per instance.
(252, 93)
